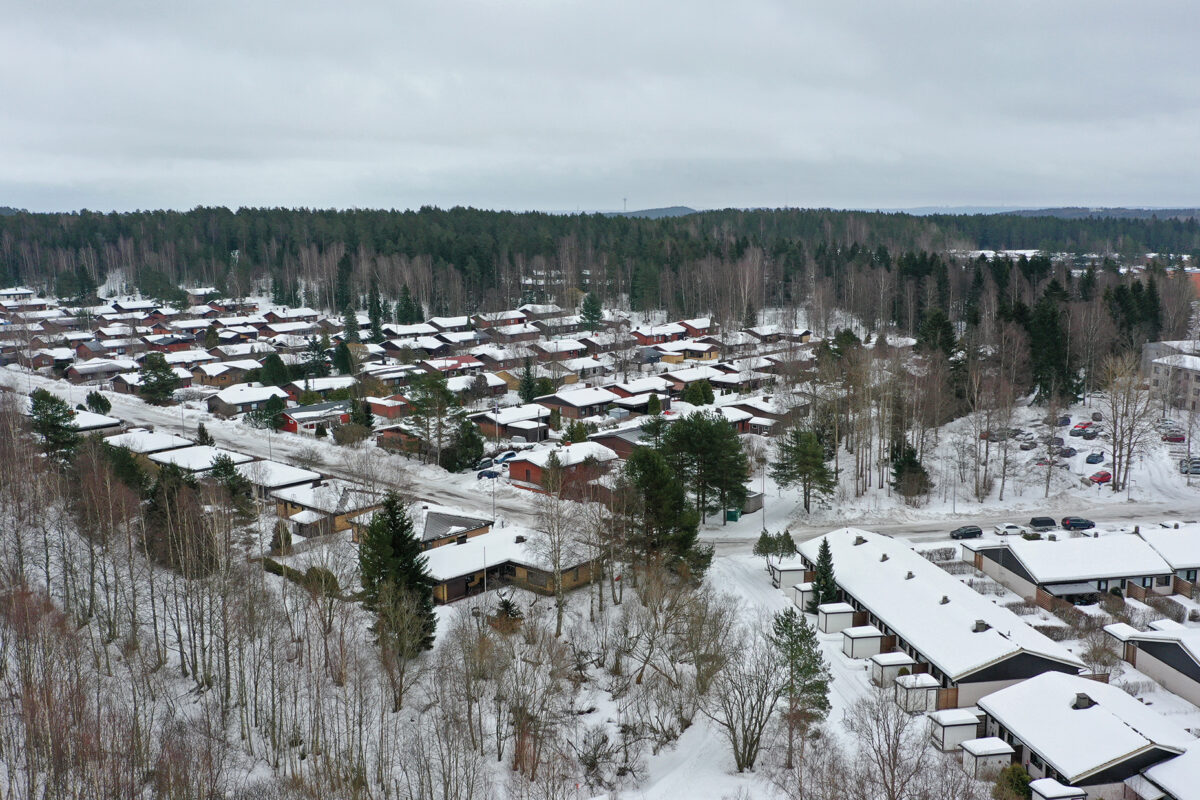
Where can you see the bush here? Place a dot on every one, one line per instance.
(281, 541)
(1032, 536)
(1167, 607)
(315, 579)
(1012, 784)
(1055, 633)
(321, 431)
(940, 554)
(350, 433)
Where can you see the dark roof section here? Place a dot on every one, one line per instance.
(439, 525)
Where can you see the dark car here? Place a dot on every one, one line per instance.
(1064, 420)
(1097, 416)
(966, 532)
(1067, 452)
(1090, 434)
(1077, 523)
(1042, 524)
(484, 463)
(1096, 458)
(1057, 441)
(487, 473)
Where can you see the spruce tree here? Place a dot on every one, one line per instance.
(343, 359)
(54, 423)
(97, 403)
(824, 586)
(273, 371)
(800, 461)
(375, 313)
(350, 325)
(591, 313)
(224, 473)
(159, 381)
(203, 437)
(653, 405)
(394, 569)
(527, 388)
(765, 546)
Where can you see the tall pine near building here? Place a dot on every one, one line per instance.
(159, 381)
(806, 686)
(824, 586)
(394, 570)
(375, 313)
(54, 423)
(591, 313)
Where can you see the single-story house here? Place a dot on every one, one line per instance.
(621, 440)
(97, 370)
(578, 403)
(90, 422)
(529, 422)
(306, 419)
(581, 463)
(131, 382)
(641, 386)
(1081, 732)
(319, 386)
(647, 335)
(493, 319)
(444, 324)
(968, 644)
(391, 407)
(1169, 653)
(144, 442)
(1044, 571)
(242, 398)
(198, 458)
(268, 476)
(510, 556)
(444, 526)
(1180, 548)
(324, 508)
(558, 349)
(223, 373)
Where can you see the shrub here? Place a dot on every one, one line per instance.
(321, 431)
(1032, 536)
(350, 433)
(281, 540)
(940, 554)
(1012, 784)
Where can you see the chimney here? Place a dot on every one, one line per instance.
(859, 540)
(945, 599)
(981, 626)
(1082, 701)
(883, 557)
(520, 540)
(909, 576)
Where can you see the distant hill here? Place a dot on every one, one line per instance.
(1109, 213)
(654, 213)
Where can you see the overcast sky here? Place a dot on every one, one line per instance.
(563, 105)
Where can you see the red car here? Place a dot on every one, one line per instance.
(1103, 476)
(1174, 438)
(1082, 426)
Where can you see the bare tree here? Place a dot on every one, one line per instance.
(892, 748)
(744, 696)
(1129, 410)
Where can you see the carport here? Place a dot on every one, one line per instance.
(1075, 593)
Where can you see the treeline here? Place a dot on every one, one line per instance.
(728, 263)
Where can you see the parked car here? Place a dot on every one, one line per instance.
(1187, 467)
(1077, 523)
(1058, 441)
(505, 456)
(1097, 416)
(1010, 528)
(487, 473)
(1103, 476)
(1067, 452)
(484, 463)
(1091, 434)
(1096, 457)
(1174, 438)
(966, 532)
(1079, 429)
(1028, 445)
(1042, 524)
(1064, 420)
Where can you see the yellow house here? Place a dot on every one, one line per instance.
(506, 557)
(328, 507)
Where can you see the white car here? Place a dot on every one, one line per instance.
(1009, 529)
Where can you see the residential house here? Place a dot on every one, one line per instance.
(683, 378)
(270, 476)
(581, 464)
(442, 526)
(512, 334)
(495, 319)
(559, 326)
(302, 314)
(322, 387)
(700, 326)
(558, 349)
(1080, 732)
(223, 373)
(578, 403)
(98, 370)
(641, 386)
(1068, 570)
(452, 365)
(143, 442)
(196, 459)
(486, 384)
(446, 324)
(1180, 548)
(499, 558)
(306, 419)
(391, 407)
(529, 422)
(1168, 652)
(534, 311)
(968, 645)
(495, 357)
(131, 382)
(621, 440)
(241, 398)
(647, 335)
(324, 508)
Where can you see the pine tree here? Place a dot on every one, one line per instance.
(393, 569)
(807, 680)
(653, 405)
(315, 365)
(350, 325)
(467, 449)
(203, 437)
(591, 313)
(800, 461)
(909, 476)
(360, 414)
(824, 586)
(343, 292)
(224, 473)
(159, 381)
(343, 359)
(375, 313)
(765, 546)
(269, 415)
(53, 421)
(97, 403)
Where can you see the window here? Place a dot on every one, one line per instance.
(1147, 583)
(1102, 585)
(1033, 759)
(1191, 575)
(1164, 580)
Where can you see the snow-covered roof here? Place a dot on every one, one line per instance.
(90, 421)
(1179, 548)
(332, 497)
(643, 385)
(241, 393)
(460, 383)
(569, 455)
(273, 474)
(583, 396)
(876, 572)
(328, 384)
(693, 374)
(143, 441)
(1187, 638)
(1078, 742)
(735, 415)
(1178, 775)
(700, 323)
(95, 365)
(489, 550)
(561, 345)
(415, 329)
(449, 322)
(987, 746)
(212, 370)
(197, 458)
(1087, 558)
(954, 716)
(508, 416)
(1179, 361)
